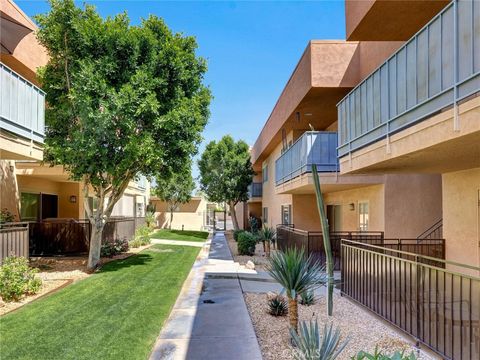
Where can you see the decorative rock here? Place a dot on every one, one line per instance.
(250, 265)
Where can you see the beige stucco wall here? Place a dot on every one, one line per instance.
(9, 195)
(271, 200)
(461, 216)
(374, 195)
(413, 203)
(191, 215)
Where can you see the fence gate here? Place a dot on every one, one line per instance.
(220, 220)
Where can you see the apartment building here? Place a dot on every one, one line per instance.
(29, 189)
(354, 108)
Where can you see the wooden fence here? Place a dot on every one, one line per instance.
(13, 240)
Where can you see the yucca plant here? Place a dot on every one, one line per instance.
(307, 298)
(277, 306)
(297, 274)
(310, 344)
(268, 235)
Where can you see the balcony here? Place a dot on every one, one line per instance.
(434, 70)
(22, 106)
(313, 147)
(255, 190)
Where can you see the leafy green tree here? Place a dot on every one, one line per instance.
(123, 100)
(176, 189)
(226, 172)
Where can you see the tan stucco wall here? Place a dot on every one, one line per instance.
(350, 218)
(63, 190)
(461, 217)
(413, 203)
(191, 215)
(271, 200)
(9, 195)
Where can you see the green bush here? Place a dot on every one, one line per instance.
(236, 233)
(115, 247)
(17, 279)
(6, 216)
(141, 237)
(150, 219)
(246, 243)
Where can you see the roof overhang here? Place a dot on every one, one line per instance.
(388, 20)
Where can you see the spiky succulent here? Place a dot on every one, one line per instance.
(307, 298)
(277, 306)
(310, 344)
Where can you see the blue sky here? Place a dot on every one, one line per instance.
(251, 48)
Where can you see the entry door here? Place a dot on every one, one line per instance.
(334, 217)
(49, 206)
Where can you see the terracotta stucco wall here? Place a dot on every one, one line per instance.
(461, 217)
(305, 213)
(374, 195)
(413, 203)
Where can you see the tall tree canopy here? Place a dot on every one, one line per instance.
(122, 100)
(226, 172)
(175, 189)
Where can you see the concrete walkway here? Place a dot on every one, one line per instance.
(210, 319)
(178, 242)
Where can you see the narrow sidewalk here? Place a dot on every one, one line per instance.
(210, 319)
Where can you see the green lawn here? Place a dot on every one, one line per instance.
(114, 314)
(186, 235)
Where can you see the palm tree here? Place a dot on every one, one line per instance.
(297, 274)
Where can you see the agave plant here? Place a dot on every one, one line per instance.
(307, 298)
(268, 235)
(277, 306)
(378, 355)
(310, 344)
(297, 274)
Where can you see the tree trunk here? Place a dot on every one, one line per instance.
(267, 246)
(234, 216)
(171, 219)
(326, 239)
(293, 314)
(95, 243)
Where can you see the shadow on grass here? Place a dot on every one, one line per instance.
(134, 260)
(193, 233)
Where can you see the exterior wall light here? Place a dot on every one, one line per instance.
(73, 199)
(351, 206)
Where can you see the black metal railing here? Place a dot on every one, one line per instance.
(13, 239)
(439, 306)
(312, 241)
(433, 232)
(72, 237)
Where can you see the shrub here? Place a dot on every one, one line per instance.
(378, 355)
(141, 237)
(254, 224)
(17, 279)
(236, 233)
(115, 247)
(150, 219)
(6, 216)
(277, 306)
(310, 344)
(246, 243)
(307, 298)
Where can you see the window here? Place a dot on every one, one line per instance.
(286, 214)
(265, 215)
(363, 216)
(30, 206)
(265, 173)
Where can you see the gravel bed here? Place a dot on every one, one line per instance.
(364, 330)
